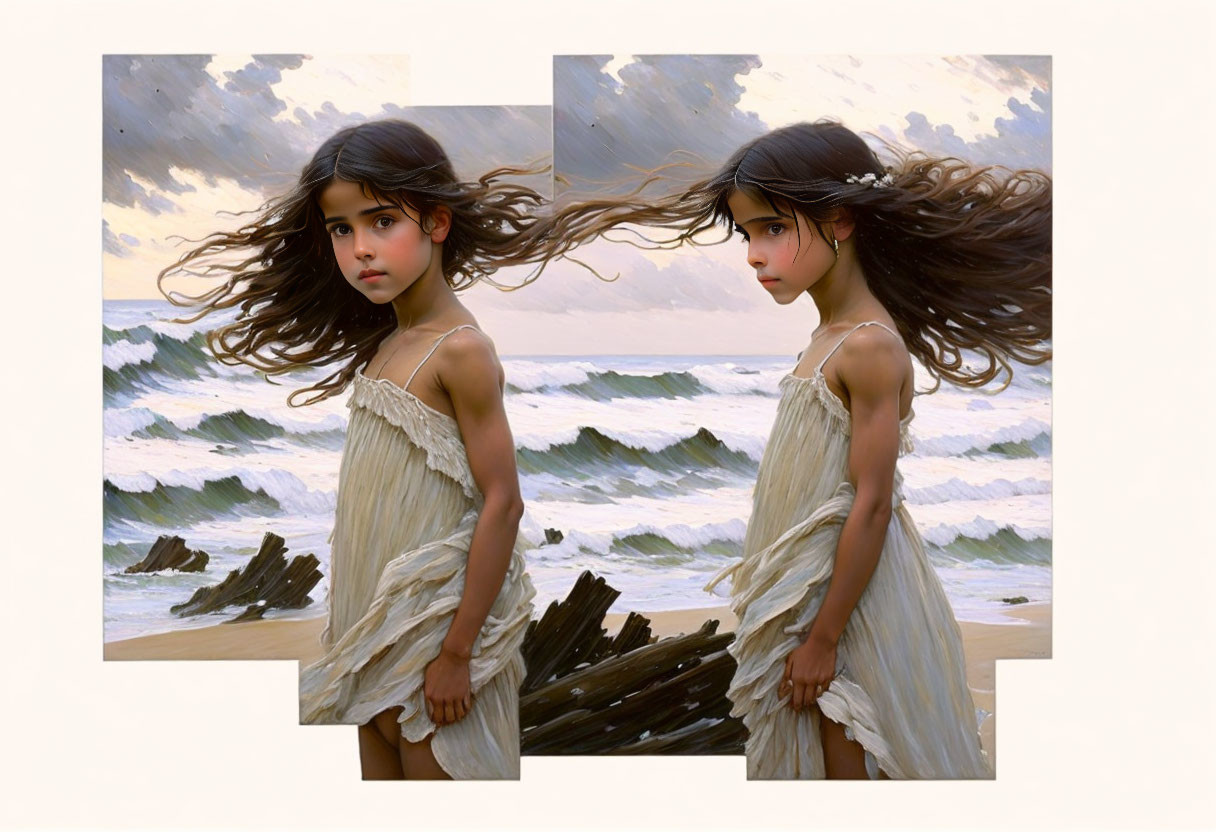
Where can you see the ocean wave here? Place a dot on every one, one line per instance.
(178, 497)
(121, 353)
(160, 357)
(674, 545)
(732, 379)
(945, 535)
(528, 376)
(957, 489)
(590, 451)
(587, 380)
(1004, 546)
(125, 421)
(178, 506)
(605, 488)
(604, 385)
(1029, 438)
(147, 325)
(233, 426)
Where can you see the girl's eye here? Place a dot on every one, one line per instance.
(775, 228)
(383, 222)
(339, 230)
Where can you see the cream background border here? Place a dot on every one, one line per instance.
(1116, 730)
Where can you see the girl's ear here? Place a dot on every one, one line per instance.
(843, 225)
(440, 222)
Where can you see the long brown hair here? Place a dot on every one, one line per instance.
(958, 254)
(296, 310)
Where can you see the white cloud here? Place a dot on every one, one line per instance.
(134, 276)
(867, 92)
(353, 83)
(221, 65)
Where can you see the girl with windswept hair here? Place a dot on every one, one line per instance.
(359, 266)
(850, 661)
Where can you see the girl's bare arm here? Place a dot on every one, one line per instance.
(470, 373)
(871, 367)
(472, 380)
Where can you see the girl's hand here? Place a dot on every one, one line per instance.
(809, 671)
(446, 686)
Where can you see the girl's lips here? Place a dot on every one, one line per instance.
(768, 280)
(369, 274)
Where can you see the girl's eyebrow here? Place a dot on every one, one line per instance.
(364, 213)
(759, 219)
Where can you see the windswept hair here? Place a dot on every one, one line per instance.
(959, 255)
(296, 309)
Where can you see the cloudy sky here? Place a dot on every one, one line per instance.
(188, 136)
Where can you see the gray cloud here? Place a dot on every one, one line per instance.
(161, 112)
(663, 104)
(687, 102)
(1023, 141)
(478, 139)
(110, 243)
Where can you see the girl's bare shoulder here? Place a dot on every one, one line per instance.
(468, 357)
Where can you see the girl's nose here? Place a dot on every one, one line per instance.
(362, 245)
(755, 258)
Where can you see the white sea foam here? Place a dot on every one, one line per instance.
(1028, 516)
(733, 378)
(121, 353)
(957, 489)
(126, 421)
(539, 422)
(533, 375)
(131, 460)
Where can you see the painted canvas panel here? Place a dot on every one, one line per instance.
(194, 448)
(978, 482)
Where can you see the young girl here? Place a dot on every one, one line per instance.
(850, 662)
(359, 266)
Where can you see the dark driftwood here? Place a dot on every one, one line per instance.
(696, 693)
(553, 536)
(266, 581)
(170, 552)
(601, 684)
(624, 695)
(634, 633)
(708, 736)
(568, 633)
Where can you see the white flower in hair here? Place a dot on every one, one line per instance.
(871, 179)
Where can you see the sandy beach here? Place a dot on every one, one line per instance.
(1028, 635)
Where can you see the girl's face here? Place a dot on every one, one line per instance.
(381, 249)
(784, 266)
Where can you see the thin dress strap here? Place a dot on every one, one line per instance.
(434, 347)
(819, 369)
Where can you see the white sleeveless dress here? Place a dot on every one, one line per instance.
(901, 687)
(406, 508)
